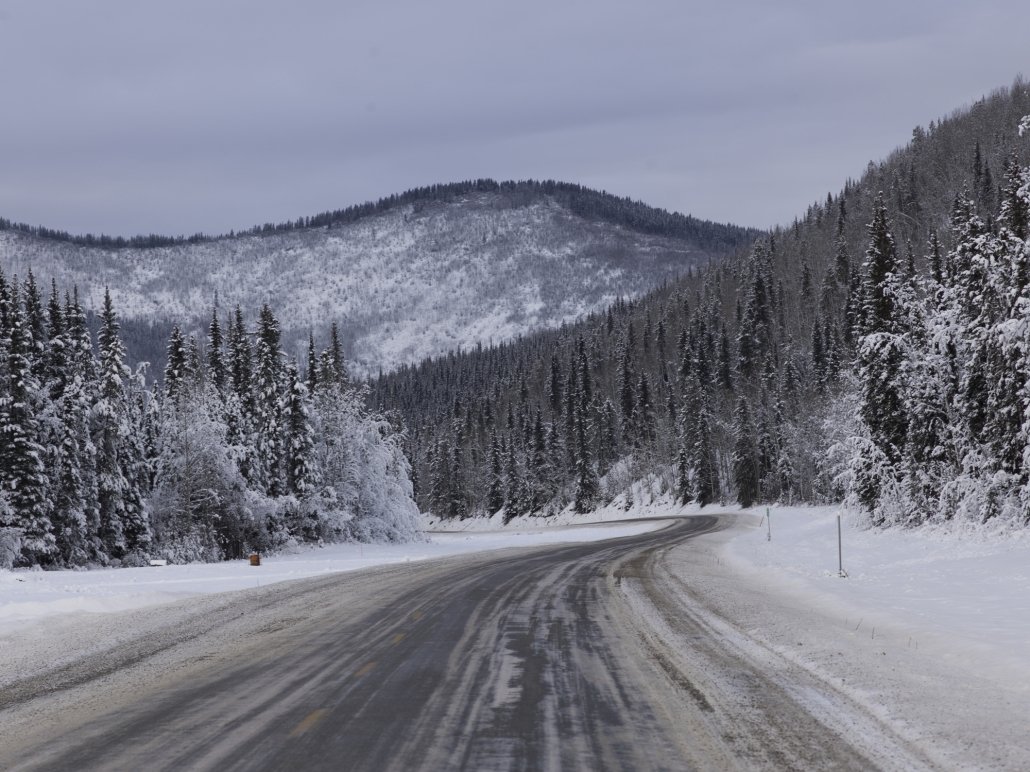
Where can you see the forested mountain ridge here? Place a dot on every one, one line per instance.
(758, 378)
(427, 271)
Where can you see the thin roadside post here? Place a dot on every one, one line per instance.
(840, 559)
(768, 522)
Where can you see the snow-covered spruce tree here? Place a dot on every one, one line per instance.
(881, 357)
(645, 426)
(268, 419)
(81, 394)
(686, 432)
(842, 257)
(238, 404)
(335, 358)
(24, 482)
(554, 387)
(516, 493)
(495, 494)
(627, 397)
(791, 473)
(753, 336)
(607, 439)
(139, 451)
(705, 489)
(457, 504)
(768, 441)
(177, 375)
(56, 369)
(684, 483)
(438, 461)
(818, 355)
(587, 484)
(539, 467)
(35, 322)
(69, 449)
(745, 464)
(216, 369)
(556, 459)
(312, 364)
(300, 474)
(571, 399)
(124, 527)
(10, 535)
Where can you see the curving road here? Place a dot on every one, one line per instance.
(572, 657)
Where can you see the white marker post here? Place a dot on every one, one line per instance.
(768, 522)
(840, 560)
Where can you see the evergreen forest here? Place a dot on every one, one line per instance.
(234, 452)
(876, 350)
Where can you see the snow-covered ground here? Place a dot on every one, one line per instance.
(961, 597)
(929, 632)
(955, 596)
(27, 595)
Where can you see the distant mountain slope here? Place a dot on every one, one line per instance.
(414, 275)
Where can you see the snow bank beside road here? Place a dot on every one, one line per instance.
(962, 598)
(31, 595)
(644, 505)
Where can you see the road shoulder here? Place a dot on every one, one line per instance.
(869, 685)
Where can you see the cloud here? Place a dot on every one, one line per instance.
(134, 117)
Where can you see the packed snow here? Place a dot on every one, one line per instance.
(959, 595)
(33, 595)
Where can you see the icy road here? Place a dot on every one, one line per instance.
(591, 656)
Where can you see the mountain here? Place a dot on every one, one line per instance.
(435, 269)
(874, 350)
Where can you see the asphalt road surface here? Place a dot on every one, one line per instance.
(531, 659)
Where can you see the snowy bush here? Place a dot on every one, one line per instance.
(384, 509)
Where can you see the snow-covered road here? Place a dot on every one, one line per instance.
(28, 597)
(570, 657)
(920, 658)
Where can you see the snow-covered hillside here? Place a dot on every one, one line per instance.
(413, 281)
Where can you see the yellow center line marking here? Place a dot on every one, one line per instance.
(365, 669)
(398, 638)
(417, 615)
(313, 718)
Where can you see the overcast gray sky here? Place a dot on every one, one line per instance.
(127, 116)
